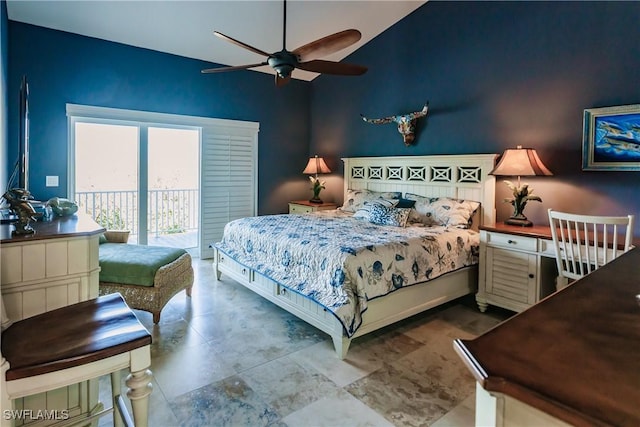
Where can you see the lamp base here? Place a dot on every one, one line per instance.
(315, 200)
(522, 222)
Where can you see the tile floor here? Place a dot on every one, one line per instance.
(226, 357)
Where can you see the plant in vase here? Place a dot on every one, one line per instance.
(521, 195)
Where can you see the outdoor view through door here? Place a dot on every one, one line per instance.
(140, 178)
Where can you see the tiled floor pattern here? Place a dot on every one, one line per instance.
(227, 357)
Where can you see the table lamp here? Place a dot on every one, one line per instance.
(520, 162)
(315, 166)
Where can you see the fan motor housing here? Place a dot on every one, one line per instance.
(283, 62)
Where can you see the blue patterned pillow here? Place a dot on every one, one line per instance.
(368, 205)
(379, 214)
(356, 199)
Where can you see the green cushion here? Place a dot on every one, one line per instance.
(134, 264)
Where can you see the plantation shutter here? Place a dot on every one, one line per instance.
(228, 186)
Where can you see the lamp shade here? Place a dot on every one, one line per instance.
(315, 166)
(520, 162)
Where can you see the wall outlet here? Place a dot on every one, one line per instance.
(52, 181)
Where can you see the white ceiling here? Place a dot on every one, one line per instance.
(186, 28)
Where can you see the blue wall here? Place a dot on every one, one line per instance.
(66, 68)
(496, 74)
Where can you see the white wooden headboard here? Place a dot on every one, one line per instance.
(463, 176)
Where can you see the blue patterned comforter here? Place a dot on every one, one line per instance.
(342, 262)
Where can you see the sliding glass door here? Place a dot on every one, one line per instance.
(172, 187)
(139, 177)
(172, 180)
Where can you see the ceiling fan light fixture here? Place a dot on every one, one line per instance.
(284, 71)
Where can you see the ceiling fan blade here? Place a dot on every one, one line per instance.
(330, 67)
(327, 45)
(233, 68)
(239, 43)
(281, 81)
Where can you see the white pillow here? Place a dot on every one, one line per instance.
(355, 199)
(442, 211)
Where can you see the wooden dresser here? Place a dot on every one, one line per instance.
(573, 358)
(55, 267)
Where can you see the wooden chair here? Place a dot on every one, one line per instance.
(584, 243)
(73, 344)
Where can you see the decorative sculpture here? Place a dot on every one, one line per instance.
(62, 207)
(18, 199)
(521, 195)
(406, 123)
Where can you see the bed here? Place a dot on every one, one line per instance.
(336, 292)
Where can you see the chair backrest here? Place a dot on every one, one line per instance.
(584, 243)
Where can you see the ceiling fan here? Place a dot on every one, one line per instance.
(304, 57)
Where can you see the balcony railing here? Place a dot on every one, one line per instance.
(169, 211)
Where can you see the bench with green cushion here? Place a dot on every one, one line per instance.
(147, 276)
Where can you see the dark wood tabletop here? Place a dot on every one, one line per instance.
(574, 355)
(69, 226)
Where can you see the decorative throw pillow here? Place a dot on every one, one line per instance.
(405, 203)
(383, 215)
(442, 211)
(389, 203)
(355, 199)
(423, 212)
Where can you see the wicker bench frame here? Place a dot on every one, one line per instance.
(168, 281)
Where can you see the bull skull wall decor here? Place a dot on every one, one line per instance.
(406, 123)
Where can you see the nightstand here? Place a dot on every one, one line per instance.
(517, 266)
(305, 206)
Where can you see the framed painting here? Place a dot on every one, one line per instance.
(611, 139)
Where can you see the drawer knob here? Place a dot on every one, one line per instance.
(244, 271)
(221, 259)
(511, 242)
(531, 276)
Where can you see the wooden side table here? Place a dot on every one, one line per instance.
(305, 206)
(517, 266)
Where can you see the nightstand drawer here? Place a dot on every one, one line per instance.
(304, 206)
(295, 208)
(511, 241)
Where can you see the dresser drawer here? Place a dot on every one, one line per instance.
(294, 208)
(235, 267)
(510, 241)
(284, 293)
